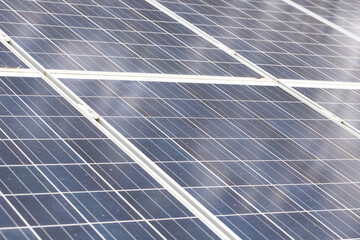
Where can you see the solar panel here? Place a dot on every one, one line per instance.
(342, 102)
(344, 14)
(282, 40)
(66, 179)
(255, 156)
(8, 60)
(219, 153)
(126, 36)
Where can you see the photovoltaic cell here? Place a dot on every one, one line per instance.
(344, 14)
(282, 40)
(342, 102)
(61, 178)
(8, 60)
(120, 36)
(263, 162)
(23, 233)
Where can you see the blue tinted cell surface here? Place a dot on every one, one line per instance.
(62, 178)
(9, 60)
(245, 152)
(344, 14)
(128, 36)
(281, 39)
(344, 103)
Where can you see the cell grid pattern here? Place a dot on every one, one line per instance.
(342, 102)
(281, 39)
(112, 36)
(263, 162)
(62, 178)
(343, 13)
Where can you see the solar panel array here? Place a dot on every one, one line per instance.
(263, 162)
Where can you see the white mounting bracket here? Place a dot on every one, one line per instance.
(4, 36)
(89, 112)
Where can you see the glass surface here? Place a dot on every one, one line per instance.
(279, 38)
(272, 162)
(63, 178)
(113, 36)
(344, 103)
(263, 162)
(345, 14)
(8, 60)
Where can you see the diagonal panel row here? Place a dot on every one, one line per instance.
(61, 178)
(279, 38)
(118, 36)
(266, 164)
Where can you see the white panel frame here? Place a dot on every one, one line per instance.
(153, 77)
